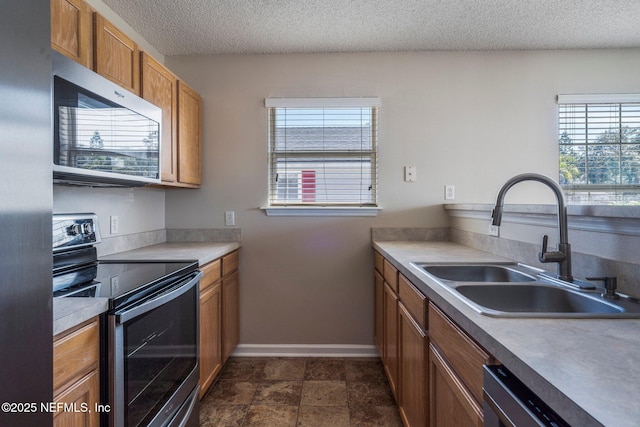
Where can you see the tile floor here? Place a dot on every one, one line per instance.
(300, 392)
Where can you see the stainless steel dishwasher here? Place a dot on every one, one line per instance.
(509, 403)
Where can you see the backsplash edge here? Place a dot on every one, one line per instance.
(121, 243)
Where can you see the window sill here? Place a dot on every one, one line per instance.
(595, 218)
(320, 211)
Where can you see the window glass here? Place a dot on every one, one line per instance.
(323, 155)
(599, 152)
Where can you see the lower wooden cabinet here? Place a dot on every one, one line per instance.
(462, 353)
(450, 403)
(76, 375)
(434, 368)
(413, 378)
(455, 367)
(378, 329)
(230, 314)
(77, 396)
(390, 347)
(219, 316)
(210, 325)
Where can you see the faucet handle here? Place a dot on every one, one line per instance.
(546, 256)
(610, 286)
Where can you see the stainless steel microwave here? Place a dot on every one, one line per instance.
(103, 134)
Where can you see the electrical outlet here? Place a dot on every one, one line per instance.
(449, 192)
(494, 230)
(230, 218)
(114, 224)
(115, 285)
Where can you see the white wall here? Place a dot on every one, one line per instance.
(472, 119)
(138, 209)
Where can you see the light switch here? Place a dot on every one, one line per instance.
(410, 173)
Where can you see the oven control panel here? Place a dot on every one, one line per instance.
(71, 231)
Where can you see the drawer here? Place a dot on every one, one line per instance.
(413, 300)
(390, 274)
(230, 262)
(464, 356)
(378, 261)
(211, 273)
(75, 353)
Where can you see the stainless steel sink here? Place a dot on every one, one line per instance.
(517, 290)
(534, 298)
(478, 273)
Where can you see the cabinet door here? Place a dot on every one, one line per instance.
(230, 262)
(463, 355)
(71, 30)
(230, 314)
(210, 336)
(116, 55)
(189, 138)
(82, 395)
(160, 87)
(75, 353)
(413, 376)
(76, 375)
(451, 404)
(390, 353)
(378, 314)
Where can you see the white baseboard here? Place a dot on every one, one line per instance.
(305, 350)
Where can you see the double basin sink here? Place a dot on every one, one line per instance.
(516, 290)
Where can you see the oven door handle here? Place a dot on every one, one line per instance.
(172, 293)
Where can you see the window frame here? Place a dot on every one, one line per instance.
(312, 208)
(609, 193)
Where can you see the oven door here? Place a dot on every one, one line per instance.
(153, 356)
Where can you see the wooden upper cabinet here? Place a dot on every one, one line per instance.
(71, 30)
(116, 56)
(160, 87)
(189, 136)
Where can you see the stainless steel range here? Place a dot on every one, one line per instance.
(151, 332)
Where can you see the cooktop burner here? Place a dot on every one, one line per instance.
(77, 272)
(119, 281)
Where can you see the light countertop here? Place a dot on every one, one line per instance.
(587, 370)
(69, 312)
(203, 252)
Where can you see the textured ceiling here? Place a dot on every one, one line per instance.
(177, 27)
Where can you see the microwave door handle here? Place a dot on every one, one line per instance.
(163, 298)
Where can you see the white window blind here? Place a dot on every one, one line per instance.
(599, 148)
(323, 151)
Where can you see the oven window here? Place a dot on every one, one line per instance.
(160, 352)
